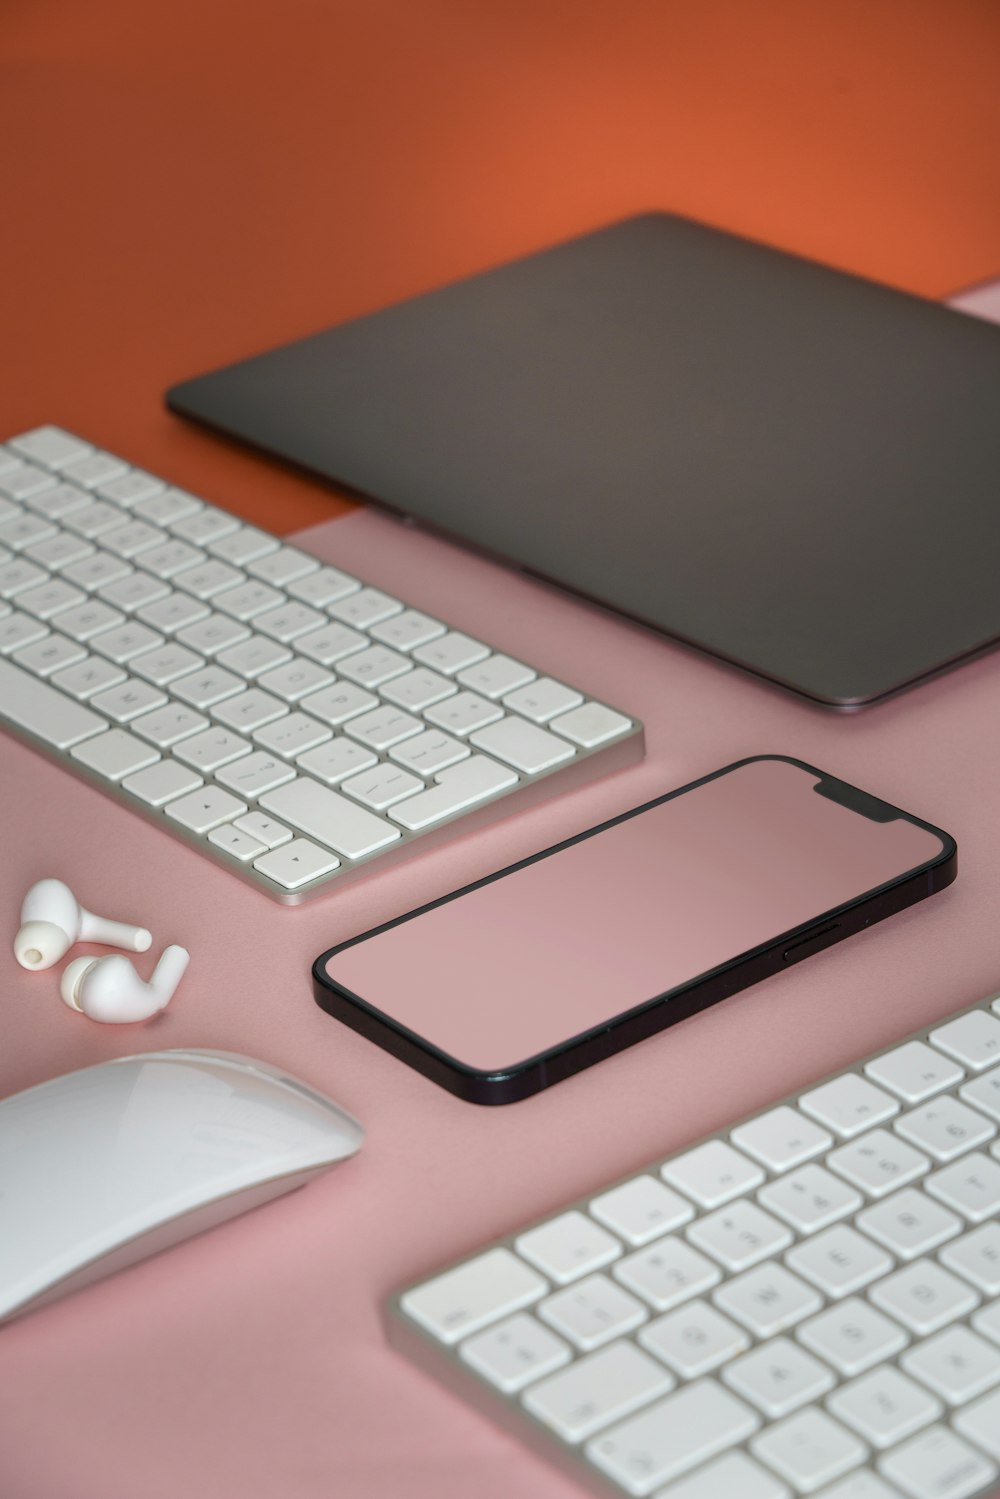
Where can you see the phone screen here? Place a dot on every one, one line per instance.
(567, 943)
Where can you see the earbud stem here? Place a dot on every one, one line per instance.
(113, 933)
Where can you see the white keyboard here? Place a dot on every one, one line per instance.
(806, 1303)
(291, 721)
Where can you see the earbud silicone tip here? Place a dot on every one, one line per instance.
(70, 980)
(39, 944)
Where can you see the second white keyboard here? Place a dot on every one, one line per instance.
(291, 721)
(806, 1303)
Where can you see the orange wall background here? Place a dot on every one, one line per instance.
(184, 183)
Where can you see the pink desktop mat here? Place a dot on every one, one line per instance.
(252, 1361)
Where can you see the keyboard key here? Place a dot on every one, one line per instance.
(236, 843)
(167, 726)
(838, 1261)
(25, 529)
(248, 599)
(852, 1336)
(972, 1039)
(810, 1199)
(987, 1322)
(338, 703)
(295, 679)
(768, 1299)
(781, 1139)
(210, 685)
(207, 578)
(165, 664)
(971, 1186)
(330, 643)
(128, 699)
(451, 652)
(568, 1246)
(956, 1364)
(924, 1297)
(366, 607)
(778, 1377)
(382, 786)
(115, 754)
(249, 710)
(135, 591)
(525, 746)
(429, 752)
(200, 527)
(739, 1236)
(329, 818)
(666, 1273)
(981, 1424)
(56, 551)
(641, 1210)
(162, 782)
(407, 630)
(168, 558)
(463, 713)
(130, 488)
(173, 611)
(372, 667)
(204, 809)
(288, 620)
(334, 761)
(88, 676)
(945, 1128)
(383, 727)
(264, 829)
(296, 864)
(598, 1389)
(243, 545)
(18, 576)
(291, 735)
(848, 1105)
(878, 1162)
(457, 788)
(418, 689)
(937, 1465)
(122, 642)
(694, 1340)
(809, 1449)
(48, 598)
(672, 1436)
(712, 1174)
(322, 587)
(983, 1093)
(97, 570)
(89, 619)
(252, 775)
(94, 469)
(130, 539)
(50, 445)
(976, 1257)
(590, 725)
(884, 1406)
(542, 699)
(468, 1298)
(909, 1224)
(495, 675)
(516, 1352)
(93, 519)
(254, 656)
(914, 1071)
(592, 1312)
(57, 501)
(736, 1474)
(41, 710)
(212, 748)
(282, 566)
(43, 657)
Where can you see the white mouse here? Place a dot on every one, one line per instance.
(105, 1166)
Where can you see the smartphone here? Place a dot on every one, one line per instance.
(524, 978)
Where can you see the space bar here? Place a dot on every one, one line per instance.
(39, 708)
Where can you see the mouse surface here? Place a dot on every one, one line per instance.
(107, 1165)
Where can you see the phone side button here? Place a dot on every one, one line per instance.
(809, 945)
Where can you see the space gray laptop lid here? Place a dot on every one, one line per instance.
(794, 469)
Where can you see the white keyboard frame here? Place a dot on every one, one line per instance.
(444, 1363)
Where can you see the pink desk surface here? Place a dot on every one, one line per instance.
(252, 1362)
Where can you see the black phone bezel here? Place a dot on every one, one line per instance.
(576, 1053)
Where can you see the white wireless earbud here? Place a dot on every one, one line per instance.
(110, 990)
(52, 919)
